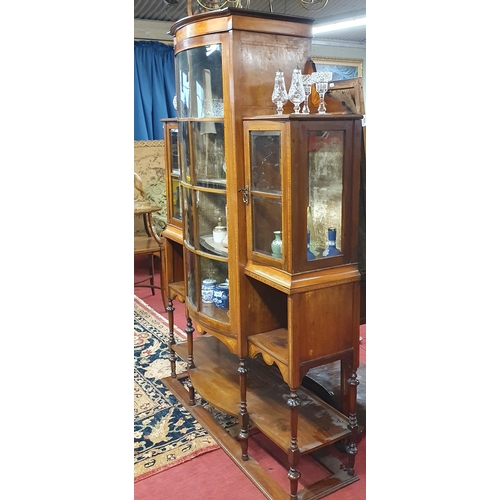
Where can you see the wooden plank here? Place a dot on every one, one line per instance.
(216, 379)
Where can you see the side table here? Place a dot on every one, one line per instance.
(151, 245)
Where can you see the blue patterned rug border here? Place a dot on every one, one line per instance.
(165, 433)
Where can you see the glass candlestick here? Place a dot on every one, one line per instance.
(296, 93)
(310, 255)
(321, 79)
(306, 83)
(279, 96)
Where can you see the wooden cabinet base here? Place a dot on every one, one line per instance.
(266, 484)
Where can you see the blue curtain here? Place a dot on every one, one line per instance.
(154, 89)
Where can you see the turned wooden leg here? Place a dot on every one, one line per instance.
(171, 338)
(345, 388)
(293, 451)
(170, 316)
(244, 419)
(353, 422)
(190, 361)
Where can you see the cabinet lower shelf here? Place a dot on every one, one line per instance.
(216, 380)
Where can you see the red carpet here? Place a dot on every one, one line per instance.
(214, 476)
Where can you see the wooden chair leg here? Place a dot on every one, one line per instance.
(152, 272)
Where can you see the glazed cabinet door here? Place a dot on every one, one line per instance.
(203, 179)
(299, 183)
(266, 146)
(174, 205)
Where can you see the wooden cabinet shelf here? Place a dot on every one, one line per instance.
(273, 346)
(216, 372)
(179, 289)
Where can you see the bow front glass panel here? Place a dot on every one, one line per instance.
(203, 178)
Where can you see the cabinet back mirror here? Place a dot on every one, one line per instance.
(324, 211)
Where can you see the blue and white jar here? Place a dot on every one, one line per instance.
(221, 296)
(207, 290)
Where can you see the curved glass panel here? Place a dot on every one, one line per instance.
(185, 152)
(190, 277)
(211, 221)
(199, 79)
(188, 216)
(208, 154)
(216, 303)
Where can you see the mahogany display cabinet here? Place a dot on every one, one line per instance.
(279, 293)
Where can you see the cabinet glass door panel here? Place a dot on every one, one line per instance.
(325, 175)
(265, 157)
(174, 152)
(211, 221)
(175, 198)
(199, 72)
(266, 221)
(208, 154)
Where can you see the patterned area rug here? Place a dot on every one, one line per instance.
(165, 433)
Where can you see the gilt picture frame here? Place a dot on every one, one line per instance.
(342, 69)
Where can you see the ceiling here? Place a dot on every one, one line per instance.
(332, 10)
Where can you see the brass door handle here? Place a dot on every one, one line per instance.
(245, 194)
